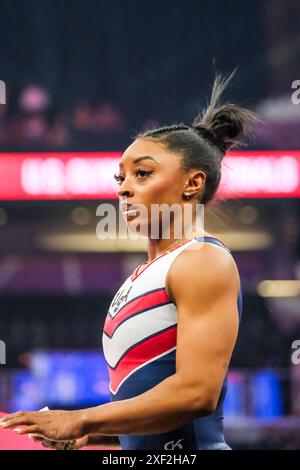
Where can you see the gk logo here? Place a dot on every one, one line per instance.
(173, 445)
(120, 299)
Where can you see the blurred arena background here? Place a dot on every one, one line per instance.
(81, 78)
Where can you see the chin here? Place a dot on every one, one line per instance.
(142, 230)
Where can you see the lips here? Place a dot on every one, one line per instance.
(125, 207)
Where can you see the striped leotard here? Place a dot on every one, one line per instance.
(139, 344)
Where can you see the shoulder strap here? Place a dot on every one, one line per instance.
(214, 240)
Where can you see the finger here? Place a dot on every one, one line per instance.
(20, 414)
(16, 422)
(81, 442)
(28, 417)
(28, 429)
(78, 445)
(6, 418)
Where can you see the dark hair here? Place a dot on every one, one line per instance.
(204, 143)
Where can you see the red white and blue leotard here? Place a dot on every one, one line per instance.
(139, 345)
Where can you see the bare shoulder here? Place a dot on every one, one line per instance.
(203, 266)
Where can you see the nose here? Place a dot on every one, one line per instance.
(123, 190)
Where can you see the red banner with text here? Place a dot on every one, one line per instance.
(89, 175)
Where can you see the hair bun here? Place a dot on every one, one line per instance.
(223, 124)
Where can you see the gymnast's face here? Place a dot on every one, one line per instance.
(150, 174)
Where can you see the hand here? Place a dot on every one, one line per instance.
(54, 425)
(63, 445)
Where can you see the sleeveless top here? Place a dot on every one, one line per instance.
(139, 345)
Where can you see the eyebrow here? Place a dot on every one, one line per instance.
(138, 159)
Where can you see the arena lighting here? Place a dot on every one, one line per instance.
(279, 288)
(89, 175)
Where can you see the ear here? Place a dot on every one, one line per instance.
(195, 183)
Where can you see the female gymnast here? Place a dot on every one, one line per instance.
(171, 328)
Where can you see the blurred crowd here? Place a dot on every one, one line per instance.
(32, 121)
(35, 122)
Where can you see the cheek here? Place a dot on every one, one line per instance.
(166, 190)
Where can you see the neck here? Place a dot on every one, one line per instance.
(158, 247)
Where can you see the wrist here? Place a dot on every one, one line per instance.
(88, 421)
(83, 422)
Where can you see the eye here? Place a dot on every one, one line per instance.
(118, 178)
(139, 172)
(143, 173)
